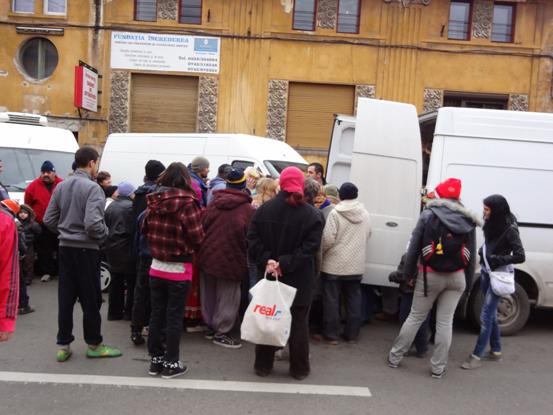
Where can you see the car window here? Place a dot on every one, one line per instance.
(276, 166)
(22, 166)
(241, 164)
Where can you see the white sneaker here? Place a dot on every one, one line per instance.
(45, 278)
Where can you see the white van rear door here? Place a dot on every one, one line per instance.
(341, 147)
(386, 165)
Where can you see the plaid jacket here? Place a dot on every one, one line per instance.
(172, 225)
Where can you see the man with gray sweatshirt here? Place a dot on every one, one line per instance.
(76, 214)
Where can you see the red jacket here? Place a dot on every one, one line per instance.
(9, 272)
(225, 221)
(38, 196)
(172, 225)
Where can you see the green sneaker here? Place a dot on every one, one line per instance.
(103, 350)
(63, 354)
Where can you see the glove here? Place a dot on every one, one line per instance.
(396, 277)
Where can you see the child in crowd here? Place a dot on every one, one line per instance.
(31, 229)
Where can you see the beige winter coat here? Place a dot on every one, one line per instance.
(345, 238)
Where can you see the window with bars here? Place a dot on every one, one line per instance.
(348, 16)
(190, 11)
(304, 15)
(23, 6)
(503, 24)
(145, 10)
(459, 20)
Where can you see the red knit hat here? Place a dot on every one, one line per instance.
(449, 189)
(12, 205)
(291, 180)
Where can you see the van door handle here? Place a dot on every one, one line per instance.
(392, 224)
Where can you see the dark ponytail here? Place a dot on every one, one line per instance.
(294, 199)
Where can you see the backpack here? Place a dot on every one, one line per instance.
(442, 249)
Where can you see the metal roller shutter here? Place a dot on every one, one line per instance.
(311, 109)
(163, 104)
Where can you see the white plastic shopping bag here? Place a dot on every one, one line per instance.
(267, 319)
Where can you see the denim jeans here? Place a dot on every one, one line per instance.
(489, 329)
(167, 301)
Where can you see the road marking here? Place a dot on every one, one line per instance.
(214, 385)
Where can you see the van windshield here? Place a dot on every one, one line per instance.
(276, 166)
(21, 165)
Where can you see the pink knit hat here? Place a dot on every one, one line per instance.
(291, 180)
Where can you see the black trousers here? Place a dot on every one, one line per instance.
(27, 265)
(168, 298)
(298, 343)
(79, 278)
(46, 245)
(23, 296)
(141, 303)
(121, 295)
(350, 292)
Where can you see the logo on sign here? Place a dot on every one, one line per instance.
(202, 44)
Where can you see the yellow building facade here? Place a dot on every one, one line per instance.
(284, 67)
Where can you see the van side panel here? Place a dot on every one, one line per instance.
(386, 166)
(125, 155)
(522, 171)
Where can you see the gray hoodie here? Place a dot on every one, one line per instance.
(76, 212)
(217, 183)
(457, 219)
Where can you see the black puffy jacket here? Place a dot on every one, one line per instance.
(505, 249)
(118, 245)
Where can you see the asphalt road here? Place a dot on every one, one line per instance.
(521, 384)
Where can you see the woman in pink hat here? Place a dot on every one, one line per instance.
(283, 239)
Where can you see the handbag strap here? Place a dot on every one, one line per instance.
(485, 258)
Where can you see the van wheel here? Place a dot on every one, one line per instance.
(105, 276)
(512, 313)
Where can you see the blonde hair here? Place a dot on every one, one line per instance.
(266, 189)
(251, 172)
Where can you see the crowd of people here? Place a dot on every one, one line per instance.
(184, 251)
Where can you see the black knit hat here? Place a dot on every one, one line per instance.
(47, 166)
(153, 169)
(348, 191)
(236, 179)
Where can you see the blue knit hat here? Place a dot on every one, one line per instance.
(125, 189)
(47, 166)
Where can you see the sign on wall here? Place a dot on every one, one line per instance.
(86, 87)
(165, 52)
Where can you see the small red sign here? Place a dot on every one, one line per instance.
(86, 88)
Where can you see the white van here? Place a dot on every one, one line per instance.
(25, 143)
(125, 155)
(491, 151)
